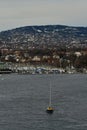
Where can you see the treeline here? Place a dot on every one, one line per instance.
(55, 57)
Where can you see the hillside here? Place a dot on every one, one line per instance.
(49, 35)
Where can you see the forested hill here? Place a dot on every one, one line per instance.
(45, 35)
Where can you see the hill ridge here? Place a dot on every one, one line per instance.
(45, 34)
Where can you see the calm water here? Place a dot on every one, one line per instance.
(24, 99)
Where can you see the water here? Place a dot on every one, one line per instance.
(24, 99)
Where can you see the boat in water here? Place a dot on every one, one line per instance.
(5, 71)
(50, 109)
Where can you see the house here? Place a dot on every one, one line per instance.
(78, 54)
(36, 58)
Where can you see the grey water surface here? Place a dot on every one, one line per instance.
(24, 99)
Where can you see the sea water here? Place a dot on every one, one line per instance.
(24, 100)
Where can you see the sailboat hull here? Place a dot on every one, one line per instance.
(50, 110)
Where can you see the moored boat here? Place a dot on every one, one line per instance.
(50, 109)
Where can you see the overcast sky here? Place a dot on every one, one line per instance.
(17, 13)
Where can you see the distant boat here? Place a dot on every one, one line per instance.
(50, 109)
(5, 71)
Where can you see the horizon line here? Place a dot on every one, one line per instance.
(43, 25)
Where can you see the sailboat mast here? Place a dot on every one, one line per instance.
(50, 94)
(50, 109)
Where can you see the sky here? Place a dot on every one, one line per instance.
(19, 13)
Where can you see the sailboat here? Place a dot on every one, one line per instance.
(50, 108)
